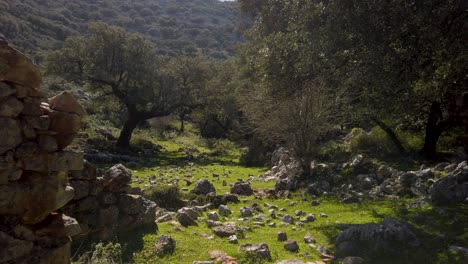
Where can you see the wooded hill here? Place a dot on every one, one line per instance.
(177, 27)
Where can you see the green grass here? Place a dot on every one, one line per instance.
(171, 164)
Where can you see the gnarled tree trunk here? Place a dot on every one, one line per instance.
(126, 134)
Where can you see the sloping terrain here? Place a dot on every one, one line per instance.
(177, 27)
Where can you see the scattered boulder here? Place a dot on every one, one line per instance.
(233, 239)
(453, 188)
(213, 216)
(310, 218)
(203, 187)
(226, 230)
(287, 219)
(390, 238)
(241, 188)
(246, 211)
(185, 219)
(165, 245)
(286, 170)
(260, 249)
(224, 210)
(309, 239)
(291, 246)
(282, 236)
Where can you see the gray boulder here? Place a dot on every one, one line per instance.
(116, 178)
(224, 210)
(204, 187)
(260, 249)
(391, 238)
(291, 246)
(165, 245)
(453, 188)
(241, 188)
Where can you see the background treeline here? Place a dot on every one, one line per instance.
(307, 74)
(177, 27)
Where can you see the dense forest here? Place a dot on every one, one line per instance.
(179, 27)
(250, 132)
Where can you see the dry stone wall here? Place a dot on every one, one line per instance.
(105, 204)
(34, 167)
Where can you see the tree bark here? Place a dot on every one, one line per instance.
(434, 129)
(182, 119)
(126, 134)
(393, 137)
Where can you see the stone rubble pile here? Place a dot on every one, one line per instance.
(361, 178)
(33, 165)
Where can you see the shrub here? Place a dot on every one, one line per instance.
(376, 141)
(165, 196)
(110, 253)
(334, 152)
(141, 137)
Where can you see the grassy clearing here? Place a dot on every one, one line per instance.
(171, 166)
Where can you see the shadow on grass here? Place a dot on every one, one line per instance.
(131, 241)
(436, 227)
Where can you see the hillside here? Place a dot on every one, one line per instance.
(176, 27)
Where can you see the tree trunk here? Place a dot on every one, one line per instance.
(126, 134)
(433, 131)
(182, 118)
(393, 137)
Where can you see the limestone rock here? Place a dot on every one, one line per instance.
(66, 102)
(453, 188)
(287, 219)
(260, 249)
(10, 107)
(12, 248)
(116, 178)
(233, 239)
(6, 90)
(282, 236)
(241, 188)
(59, 225)
(204, 187)
(16, 68)
(35, 198)
(185, 219)
(224, 210)
(291, 246)
(165, 245)
(10, 133)
(390, 238)
(226, 230)
(130, 204)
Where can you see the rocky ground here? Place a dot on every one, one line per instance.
(249, 217)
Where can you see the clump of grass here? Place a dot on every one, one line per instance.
(165, 196)
(103, 253)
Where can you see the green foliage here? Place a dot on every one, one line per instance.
(375, 141)
(165, 196)
(334, 152)
(103, 253)
(40, 25)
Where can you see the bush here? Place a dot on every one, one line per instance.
(165, 196)
(334, 152)
(376, 141)
(110, 253)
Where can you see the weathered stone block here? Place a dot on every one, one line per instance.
(10, 133)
